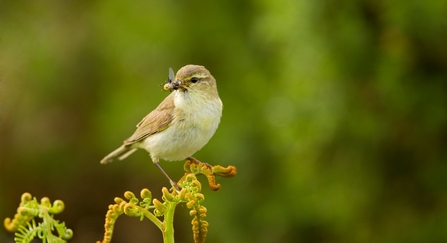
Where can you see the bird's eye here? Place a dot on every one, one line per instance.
(194, 80)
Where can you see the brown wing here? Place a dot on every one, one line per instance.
(156, 121)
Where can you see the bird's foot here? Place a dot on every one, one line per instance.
(175, 185)
(197, 162)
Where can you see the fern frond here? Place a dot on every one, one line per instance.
(27, 234)
(27, 229)
(153, 209)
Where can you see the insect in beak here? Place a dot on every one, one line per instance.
(170, 84)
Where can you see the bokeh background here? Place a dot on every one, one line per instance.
(334, 114)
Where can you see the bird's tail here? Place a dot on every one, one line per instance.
(119, 153)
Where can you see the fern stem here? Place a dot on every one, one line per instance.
(168, 232)
(152, 218)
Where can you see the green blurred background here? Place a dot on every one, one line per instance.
(335, 114)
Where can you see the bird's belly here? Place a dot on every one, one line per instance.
(180, 140)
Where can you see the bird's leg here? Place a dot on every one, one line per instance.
(173, 183)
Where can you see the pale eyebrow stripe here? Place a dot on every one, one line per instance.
(197, 76)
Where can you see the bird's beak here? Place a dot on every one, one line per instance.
(174, 85)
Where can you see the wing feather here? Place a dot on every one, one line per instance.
(156, 121)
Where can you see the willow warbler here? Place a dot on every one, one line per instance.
(183, 122)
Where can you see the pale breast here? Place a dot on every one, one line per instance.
(194, 124)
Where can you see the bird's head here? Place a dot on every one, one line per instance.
(191, 78)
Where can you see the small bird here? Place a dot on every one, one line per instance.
(183, 122)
